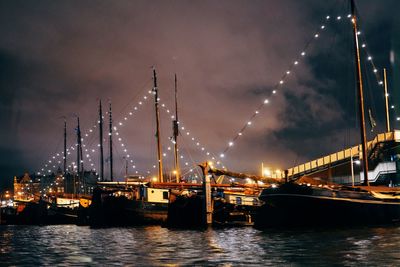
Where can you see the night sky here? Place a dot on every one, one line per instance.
(58, 58)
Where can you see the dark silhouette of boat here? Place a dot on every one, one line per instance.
(38, 212)
(232, 205)
(135, 205)
(294, 204)
(313, 203)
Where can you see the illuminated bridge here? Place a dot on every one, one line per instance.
(383, 152)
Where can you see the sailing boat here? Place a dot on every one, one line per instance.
(296, 203)
(57, 207)
(64, 207)
(231, 204)
(131, 202)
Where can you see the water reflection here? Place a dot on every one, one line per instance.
(157, 246)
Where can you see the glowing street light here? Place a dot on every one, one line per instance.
(267, 172)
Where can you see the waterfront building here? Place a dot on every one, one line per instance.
(26, 188)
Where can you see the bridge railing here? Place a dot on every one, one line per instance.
(342, 155)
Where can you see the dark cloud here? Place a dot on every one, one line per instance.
(58, 58)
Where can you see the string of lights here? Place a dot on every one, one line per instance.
(375, 70)
(164, 107)
(185, 131)
(56, 158)
(290, 70)
(196, 143)
(182, 157)
(47, 167)
(116, 132)
(122, 123)
(119, 139)
(278, 86)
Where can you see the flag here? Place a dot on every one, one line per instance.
(371, 120)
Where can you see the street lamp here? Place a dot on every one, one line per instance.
(267, 172)
(352, 168)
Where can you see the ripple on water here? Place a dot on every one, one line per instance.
(154, 246)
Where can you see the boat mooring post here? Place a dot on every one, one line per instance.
(207, 206)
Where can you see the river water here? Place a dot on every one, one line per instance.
(66, 245)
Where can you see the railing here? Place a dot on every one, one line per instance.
(382, 168)
(343, 154)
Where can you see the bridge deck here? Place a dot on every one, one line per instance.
(343, 155)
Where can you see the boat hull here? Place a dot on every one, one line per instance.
(38, 213)
(187, 211)
(109, 210)
(302, 205)
(61, 215)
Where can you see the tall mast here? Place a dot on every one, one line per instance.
(65, 147)
(101, 142)
(386, 101)
(79, 155)
(159, 152)
(175, 128)
(82, 168)
(110, 144)
(360, 94)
